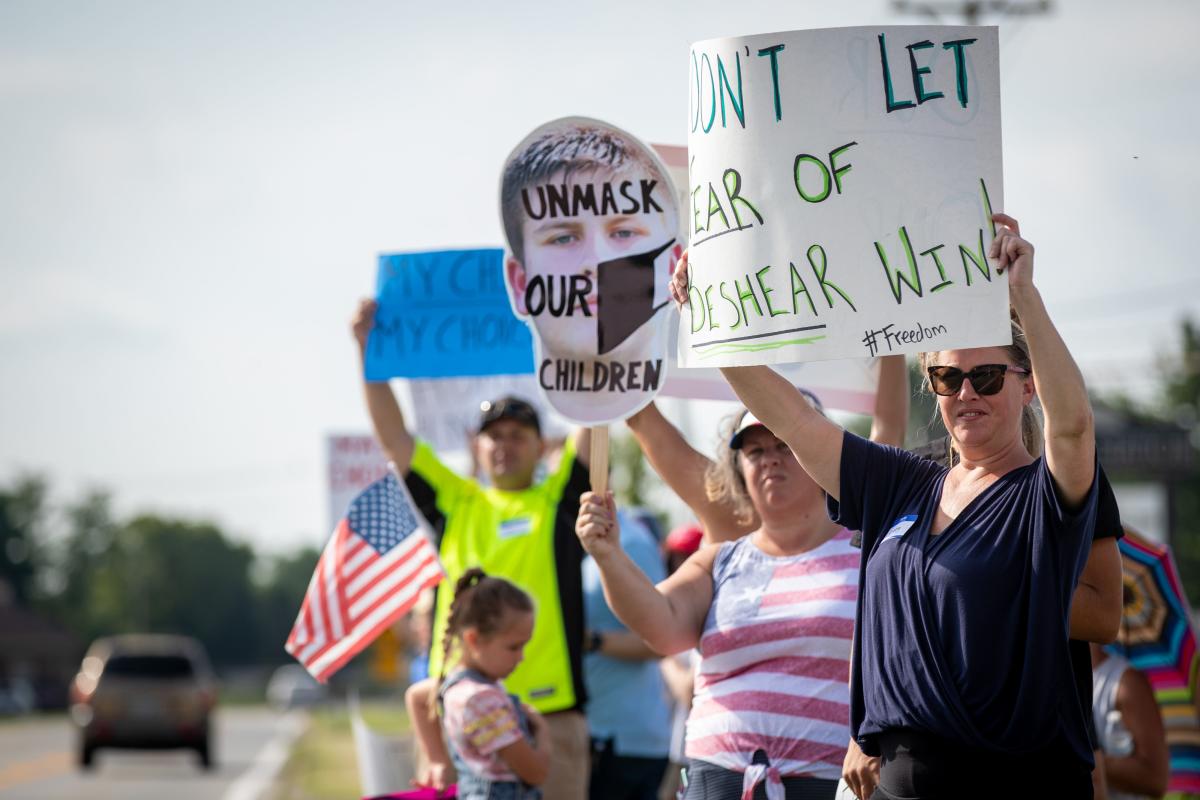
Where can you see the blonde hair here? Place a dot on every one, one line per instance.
(723, 479)
(1018, 353)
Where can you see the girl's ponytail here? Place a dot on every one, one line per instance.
(481, 602)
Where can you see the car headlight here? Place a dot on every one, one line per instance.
(82, 714)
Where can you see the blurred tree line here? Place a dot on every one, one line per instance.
(1176, 401)
(96, 574)
(1181, 405)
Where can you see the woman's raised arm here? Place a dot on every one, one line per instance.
(669, 617)
(816, 441)
(890, 420)
(683, 468)
(1070, 433)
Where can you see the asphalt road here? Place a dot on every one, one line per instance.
(38, 762)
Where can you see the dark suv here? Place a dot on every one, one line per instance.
(144, 691)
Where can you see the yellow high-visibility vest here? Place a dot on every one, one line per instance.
(509, 535)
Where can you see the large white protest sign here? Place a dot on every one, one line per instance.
(593, 227)
(842, 183)
(843, 385)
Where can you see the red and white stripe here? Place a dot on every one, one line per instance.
(354, 594)
(777, 677)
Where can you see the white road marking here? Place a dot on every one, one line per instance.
(254, 782)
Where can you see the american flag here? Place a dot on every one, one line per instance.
(378, 561)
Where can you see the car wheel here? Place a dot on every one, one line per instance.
(206, 761)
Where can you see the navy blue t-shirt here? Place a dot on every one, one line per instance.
(963, 635)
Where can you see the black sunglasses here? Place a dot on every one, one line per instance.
(986, 378)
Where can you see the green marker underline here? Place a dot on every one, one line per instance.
(753, 348)
(759, 336)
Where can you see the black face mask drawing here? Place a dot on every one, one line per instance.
(625, 296)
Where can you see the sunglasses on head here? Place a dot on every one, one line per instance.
(985, 379)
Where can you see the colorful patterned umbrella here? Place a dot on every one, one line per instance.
(1157, 637)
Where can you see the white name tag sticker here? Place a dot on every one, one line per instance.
(900, 527)
(512, 528)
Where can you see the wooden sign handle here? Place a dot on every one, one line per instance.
(598, 466)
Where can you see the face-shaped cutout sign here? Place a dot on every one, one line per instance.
(592, 222)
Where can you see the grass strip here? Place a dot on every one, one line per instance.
(323, 764)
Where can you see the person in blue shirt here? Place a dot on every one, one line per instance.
(961, 677)
(627, 709)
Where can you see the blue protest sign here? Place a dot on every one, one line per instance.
(445, 313)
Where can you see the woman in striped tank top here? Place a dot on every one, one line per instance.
(771, 613)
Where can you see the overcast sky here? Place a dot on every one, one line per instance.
(192, 196)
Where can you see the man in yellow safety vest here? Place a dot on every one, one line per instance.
(515, 528)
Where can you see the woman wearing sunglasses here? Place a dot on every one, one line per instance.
(961, 679)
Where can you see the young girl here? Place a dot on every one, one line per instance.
(499, 747)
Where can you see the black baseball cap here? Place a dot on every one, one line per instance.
(508, 407)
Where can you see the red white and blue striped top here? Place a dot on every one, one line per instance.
(775, 659)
